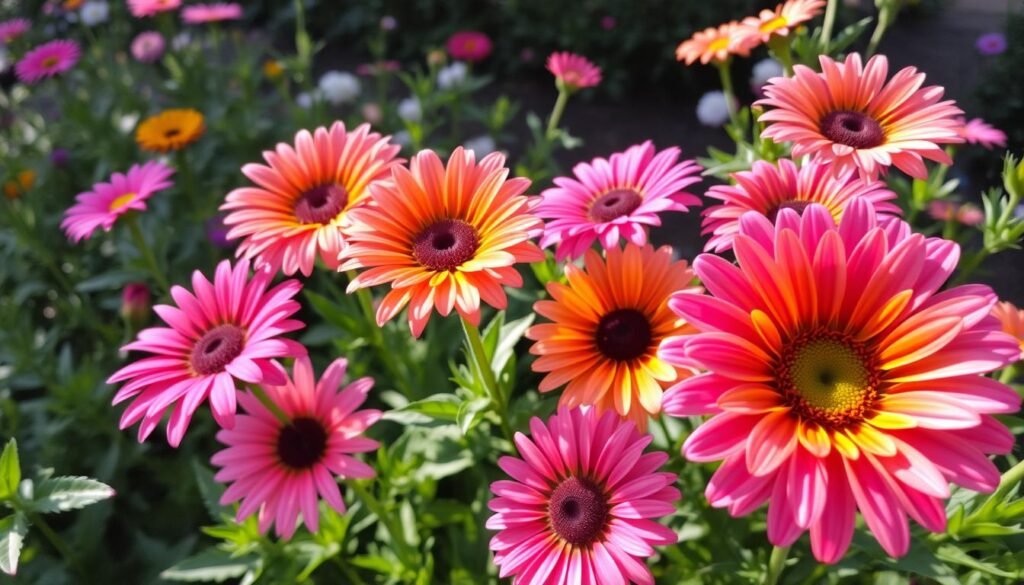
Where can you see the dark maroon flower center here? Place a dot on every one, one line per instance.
(321, 204)
(216, 348)
(171, 133)
(445, 245)
(624, 334)
(797, 206)
(854, 129)
(302, 443)
(578, 511)
(614, 204)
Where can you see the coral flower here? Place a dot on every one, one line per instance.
(170, 130)
(978, 131)
(205, 13)
(715, 44)
(572, 71)
(850, 116)
(222, 332)
(469, 45)
(580, 505)
(1011, 319)
(142, 8)
(768, 187)
(781, 21)
(292, 214)
(108, 201)
(47, 60)
(12, 29)
(606, 326)
(617, 196)
(280, 471)
(444, 237)
(840, 378)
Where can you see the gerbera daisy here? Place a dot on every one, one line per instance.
(444, 237)
(786, 17)
(615, 197)
(221, 332)
(108, 201)
(469, 45)
(768, 187)
(206, 13)
(978, 131)
(148, 46)
(606, 327)
(1011, 319)
(141, 8)
(573, 71)
(170, 130)
(47, 60)
(280, 471)
(292, 214)
(13, 28)
(840, 379)
(850, 116)
(579, 507)
(715, 44)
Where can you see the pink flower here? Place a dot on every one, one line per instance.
(573, 71)
(378, 68)
(148, 46)
(108, 201)
(206, 13)
(12, 29)
(142, 8)
(608, 22)
(222, 332)
(135, 302)
(978, 131)
(839, 377)
(469, 45)
(966, 214)
(280, 471)
(47, 60)
(579, 506)
(616, 197)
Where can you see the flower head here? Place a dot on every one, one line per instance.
(978, 131)
(469, 45)
(764, 70)
(850, 116)
(94, 12)
(206, 13)
(606, 325)
(12, 29)
(962, 213)
(713, 108)
(767, 188)
(991, 44)
(839, 378)
(444, 237)
(572, 71)
(279, 471)
(135, 302)
(47, 60)
(143, 8)
(339, 87)
(148, 46)
(715, 44)
(452, 76)
(616, 197)
(579, 508)
(219, 333)
(1011, 319)
(170, 130)
(779, 22)
(293, 213)
(127, 192)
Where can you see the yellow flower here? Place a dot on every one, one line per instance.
(26, 179)
(170, 130)
(272, 69)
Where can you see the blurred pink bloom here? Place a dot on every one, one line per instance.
(135, 302)
(12, 29)
(148, 47)
(608, 22)
(469, 45)
(370, 69)
(573, 71)
(47, 60)
(966, 213)
(978, 131)
(205, 13)
(143, 8)
(991, 44)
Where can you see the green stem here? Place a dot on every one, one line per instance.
(478, 355)
(188, 184)
(1010, 480)
(272, 406)
(406, 554)
(780, 47)
(727, 89)
(826, 27)
(147, 253)
(385, 353)
(56, 541)
(776, 564)
(556, 113)
(970, 265)
(884, 20)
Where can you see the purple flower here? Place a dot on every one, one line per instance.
(59, 157)
(217, 232)
(991, 44)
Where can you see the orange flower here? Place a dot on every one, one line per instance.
(1012, 320)
(715, 44)
(606, 326)
(758, 29)
(442, 237)
(170, 130)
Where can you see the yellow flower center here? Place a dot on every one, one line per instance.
(121, 201)
(719, 44)
(774, 24)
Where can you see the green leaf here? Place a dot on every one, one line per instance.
(983, 529)
(212, 564)
(10, 470)
(209, 490)
(511, 333)
(60, 494)
(436, 407)
(953, 554)
(12, 537)
(471, 412)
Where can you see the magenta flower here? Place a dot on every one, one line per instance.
(469, 45)
(12, 29)
(148, 46)
(143, 8)
(101, 207)
(47, 60)
(206, 13)
(978, 131)
(573, 71)
(991, 44)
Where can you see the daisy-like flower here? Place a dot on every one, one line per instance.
(616, 197)
(779, 22)
(443, 237)
(850, 116)
(12, 29)
(293, 213)
(148, 46)
(606, 326)
(572, 71)
(143, 8)
(170, 130)
(47, 60)
(279, 471)
(219, 333)
(767, 188)
(206, 13)
(715, 44)
(106, 202)
(469, 45)
(962, 213)
(1011, 319)
(978, 131)
(580, 507)
(840, 378)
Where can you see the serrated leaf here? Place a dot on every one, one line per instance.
(210, 490)
(10, 470)
(212, 564)
(60, 494)
(12, 537)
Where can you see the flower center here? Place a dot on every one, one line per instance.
(614, 204)
(854, 129)
(624, 334)
(774, 24)
(121, 201)
(719, 44)
(828, 378)
(50, 62)
(216, 348)
(578, 511)
(321, 204)
(445, 245)
(302, 443)
(172, 132)
(797, 206)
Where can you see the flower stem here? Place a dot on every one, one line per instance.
(406, 554)
(556, 113)
(1010, 480)
(478, 356)
(968, 266)
(826, 27)
(776, 564)
(56, 541)
(727, 89)
(272, 406)
(147, 253)
(780, 47)
(885, 18)
(188, 184)
(387, 356)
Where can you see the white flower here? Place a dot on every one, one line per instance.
(180, 41)
(712, 109)
(481, 145)
(305, 99)
(94, 12)
(409, 110)
(126, 123)
(764, 70)
(339, 87)
(402, 138)
(453, 75)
